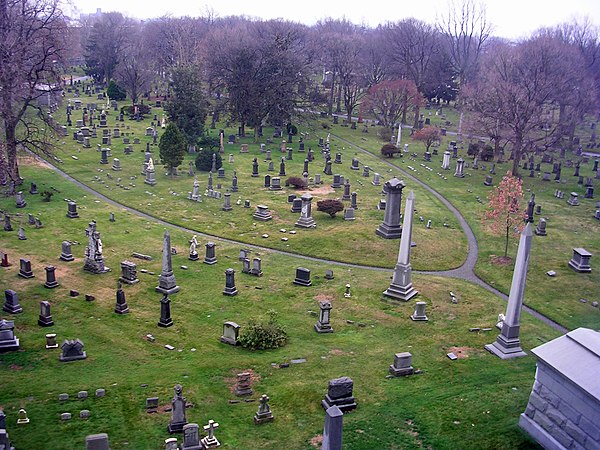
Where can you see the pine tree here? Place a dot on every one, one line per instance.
(172, 147)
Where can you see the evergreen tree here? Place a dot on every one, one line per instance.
(172, 147)
(188, 106)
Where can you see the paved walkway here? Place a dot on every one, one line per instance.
(464, 272)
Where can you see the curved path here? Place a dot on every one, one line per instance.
(464, 272)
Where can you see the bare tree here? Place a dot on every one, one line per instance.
(134, 72)
(465, 29)
(33, 40)
(390, 100)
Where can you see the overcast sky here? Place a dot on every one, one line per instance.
(510, 18)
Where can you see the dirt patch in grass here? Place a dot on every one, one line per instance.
(323, 190)
(323, 297)
(231, 381)
(30, 161)
(500, 260)
(15, 367)
(337, 352)
(461, 352)
(316, 441)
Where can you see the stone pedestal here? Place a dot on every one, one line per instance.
(210, 256)
(51, 282)
(339, 393)
(262, 212)
(324, 325)
(230, 288)
(390, 227)
(419, 314)
(165, 320)
(306, 220)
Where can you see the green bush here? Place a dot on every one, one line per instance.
(389, 150)
(211, 142)
(143, 109)
(297, 182)
(264, 336)
(330, 206)
(115, 92)
(47, 195)
(204, 159)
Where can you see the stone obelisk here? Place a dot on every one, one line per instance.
(507, 343)
(401, 287)
(166, 280)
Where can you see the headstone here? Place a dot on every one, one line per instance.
(460, 163)
(8, 341)
(419, 314)
(97, 442)
(324, 325)
(72, 350)
(488, 181)
(302, 277)
(332, 432)
(178, 420)
(210, 441)
(446, 161)
(401, 287)
(121, 306)
(165, 320)
(508, 344)
(94, 258)
(72, 210)
(390, 227)
(191, 437)
(231, 332)
(45, 317)
(166, 281)
(51, 282)
(349, 214)
(128, 272)
(339, 393)
(11, 302)
(230, 288)
(580, 261)
(20, 200)
(243, 384)
(51, 344)
(402, 365)
(306, 220)
(210, 256)
(25, 268)
(264, 413)
(262, 212)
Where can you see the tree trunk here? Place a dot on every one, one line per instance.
(417, 116)
(517, 155)
(338, 106)
(12, 168)
(506, 243)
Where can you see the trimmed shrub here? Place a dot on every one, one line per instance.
(331, 206)
(297, 182)
(389, 150)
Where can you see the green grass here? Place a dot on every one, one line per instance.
(568, 227)
(470, 403)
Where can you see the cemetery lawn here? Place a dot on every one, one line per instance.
(568, 227)
(439, 248)
(473, 402)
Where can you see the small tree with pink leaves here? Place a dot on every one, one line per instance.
(504, 212)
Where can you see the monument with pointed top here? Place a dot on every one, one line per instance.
(401, 287)
(508, 344)
(166, 281)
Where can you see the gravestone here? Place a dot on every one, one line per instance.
(243, 384)
(65, 254)
(94, 258)
(230, 288)
(25, 268)
(262, 212)
(419, 314)
(121, 306)
(72, 350)
(165, 320)
(152, 405)
(296, 205)
(302, 277)
(264, 413)
(460, 163)
(97, 442)
(20, 200)
(191, 437)
(339, 393)
(72, 210)
(210, 256)
(51, 282)
(166, 281)
(128, 272)
(376, 179)
(306, 220)
(333, 429)
(8, 341)
(178, 420)
(231, 333)
(324, 325)
(390, 227)
(402, 365)
(580, 261)
(210, 441)
(540, 229)
(354, 165)
(11, 302)
(45, 317)
(508, 344)
(51, 341)
(574, 200)
(488, 181)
